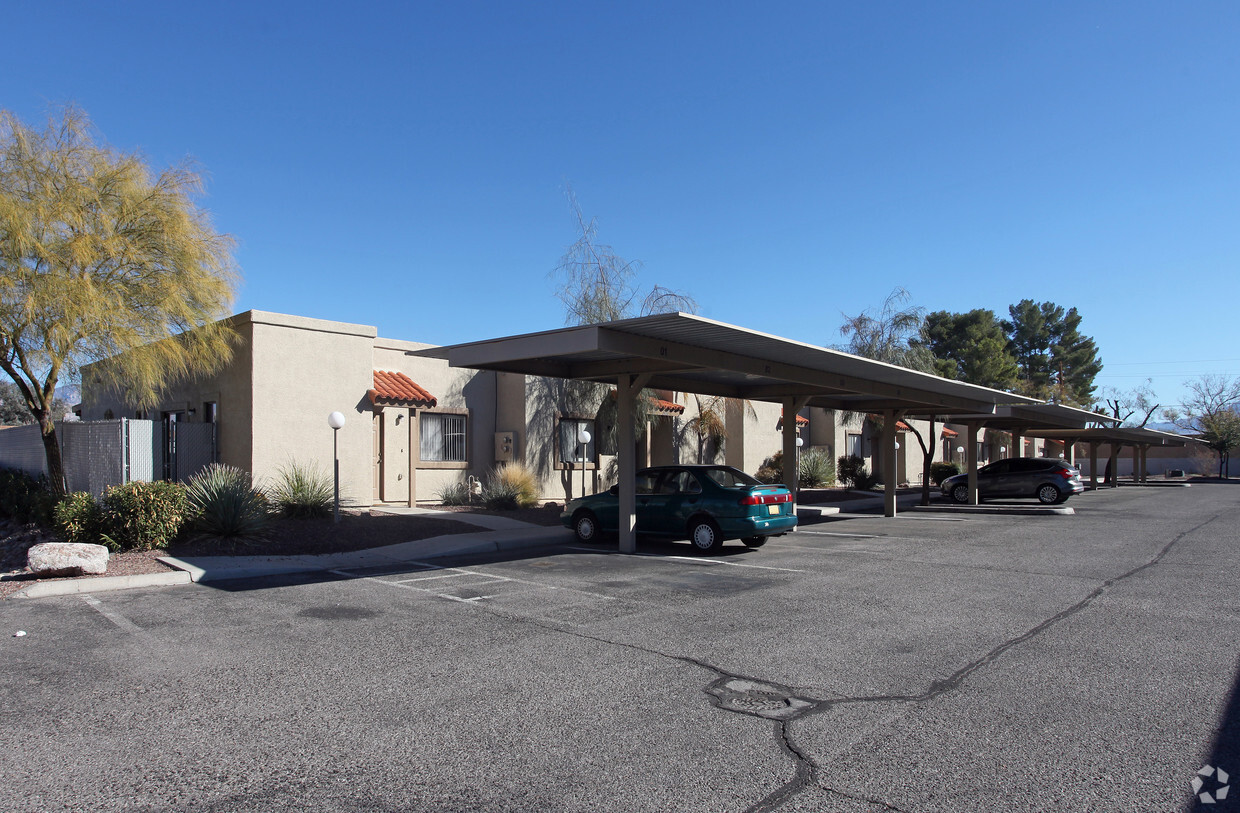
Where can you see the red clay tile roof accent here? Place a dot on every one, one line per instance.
(801, 420)
(949, 433)
(669, 407)
(661, 407)
(398, 389)
(901, 426)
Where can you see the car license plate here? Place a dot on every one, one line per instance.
(773, 509)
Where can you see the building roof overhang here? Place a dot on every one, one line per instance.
(1030, 418)
(688, 353)
(1125, 435)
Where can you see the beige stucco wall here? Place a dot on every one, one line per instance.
(455, 390)
(303, 370)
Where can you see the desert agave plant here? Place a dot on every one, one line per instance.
(224, 504)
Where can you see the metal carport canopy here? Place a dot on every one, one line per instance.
(1022, 420)
(1138, 437)
(688, 353)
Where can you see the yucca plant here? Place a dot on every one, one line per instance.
(225, 504)
(302, 491)
(454, 494)
(815, 469)
(509, 487)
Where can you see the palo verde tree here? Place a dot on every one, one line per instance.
(597, 285)
(102, 260)
(1055, 360)
(896, 334)
(1212, 411)
(1132, 408)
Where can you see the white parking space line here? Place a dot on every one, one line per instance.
(692, 560)
(801, 532)
(488, 577)
(450, 576)
(113, 616)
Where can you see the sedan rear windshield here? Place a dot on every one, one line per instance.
(731, 478)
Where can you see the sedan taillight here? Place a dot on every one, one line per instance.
(1064, 472)
(766, 499)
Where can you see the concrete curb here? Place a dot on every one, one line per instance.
(102, 584)
(815, 511)
(1017, 510)
(205, 569)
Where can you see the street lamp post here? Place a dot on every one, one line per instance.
(960, 451)
(797, 467)
(583, 437)
(336, 421)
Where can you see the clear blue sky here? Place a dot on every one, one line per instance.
(403, 164)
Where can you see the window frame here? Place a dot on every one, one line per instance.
(445, 464)
(592, 454)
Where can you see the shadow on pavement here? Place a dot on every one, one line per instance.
(1224, 754)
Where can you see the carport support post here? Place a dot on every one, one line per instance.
(1114, 463)
(1093, 465)
(890, 416)
(971, 456)
(791, 407)
(627, 388)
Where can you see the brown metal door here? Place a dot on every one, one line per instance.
(378, 457)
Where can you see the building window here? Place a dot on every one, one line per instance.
(571, 449)
(854, 445)
(443, 438)
(210, 411)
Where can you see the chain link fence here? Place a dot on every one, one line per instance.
(99, 454)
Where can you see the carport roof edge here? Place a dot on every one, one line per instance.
(690, 353)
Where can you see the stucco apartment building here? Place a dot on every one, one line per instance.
(414, 425)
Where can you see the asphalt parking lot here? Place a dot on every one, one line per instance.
(922, 663)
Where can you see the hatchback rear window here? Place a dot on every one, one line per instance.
(731, 478)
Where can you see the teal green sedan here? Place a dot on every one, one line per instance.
(704, 504)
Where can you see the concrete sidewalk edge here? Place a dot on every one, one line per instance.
(101, 584)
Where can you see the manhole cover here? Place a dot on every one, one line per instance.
(759, 699)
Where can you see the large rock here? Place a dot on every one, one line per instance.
(67, 559)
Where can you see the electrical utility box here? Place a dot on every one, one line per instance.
(505, 446)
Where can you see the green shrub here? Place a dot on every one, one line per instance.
(455, 494)
(772, 469)
(866, 481)
(303, 491)
(850, 468)
(815, 469)
(224, 504)
(509, 487)
(142, 515)
(24, 498)
(941, 471)
(78, 518)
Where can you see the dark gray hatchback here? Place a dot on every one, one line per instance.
(1051, 481)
